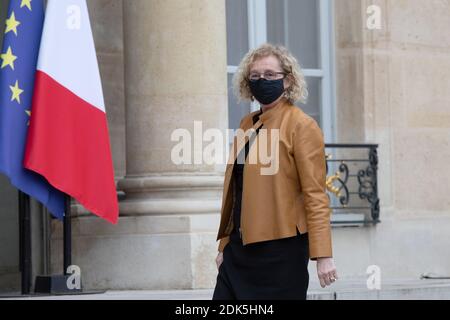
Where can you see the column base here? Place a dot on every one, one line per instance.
(165, 238)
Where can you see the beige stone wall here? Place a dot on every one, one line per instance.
(107, 26)
(393, 89)
(395, 83)
(416, 53)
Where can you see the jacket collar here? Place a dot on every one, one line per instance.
(272, 112)
(258, 119)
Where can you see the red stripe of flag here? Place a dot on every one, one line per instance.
(68, 144)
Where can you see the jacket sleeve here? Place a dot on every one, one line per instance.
(309, 154)
(223, 242)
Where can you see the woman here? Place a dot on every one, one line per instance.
(272, 224)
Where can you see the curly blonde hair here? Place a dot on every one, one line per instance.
(297, 91)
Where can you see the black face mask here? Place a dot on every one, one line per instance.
(266, 91)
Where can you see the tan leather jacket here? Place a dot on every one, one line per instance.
(275, 205)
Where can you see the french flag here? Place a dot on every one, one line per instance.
(68, 139)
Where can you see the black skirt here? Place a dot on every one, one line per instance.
(269, 270)
(275, 269)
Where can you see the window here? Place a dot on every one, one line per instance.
(305, 28)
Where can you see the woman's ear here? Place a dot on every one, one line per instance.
(287, 82)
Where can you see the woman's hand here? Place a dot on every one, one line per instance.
(219, 260)
(326, 271)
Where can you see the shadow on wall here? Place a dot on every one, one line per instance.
(3, 12)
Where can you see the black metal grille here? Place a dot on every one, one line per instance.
(352, 187)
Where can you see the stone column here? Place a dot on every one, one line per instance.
(175, 74)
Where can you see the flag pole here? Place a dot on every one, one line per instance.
(59, 284)
(25, 242)
(67, 234)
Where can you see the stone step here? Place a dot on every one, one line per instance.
(341, 290)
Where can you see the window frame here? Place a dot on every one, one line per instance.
(257, 35)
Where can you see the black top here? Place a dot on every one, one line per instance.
(238, 172)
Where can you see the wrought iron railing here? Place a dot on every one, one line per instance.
(352, 183)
